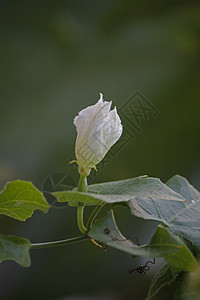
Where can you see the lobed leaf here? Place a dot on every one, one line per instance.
(176, 205)
(182, 217)
(19, 199)
(182, 260)
(15, 248)
(191, 287)
(162, 243)
(164, 286)
(120, 191)
(169, 286)
(187, 220)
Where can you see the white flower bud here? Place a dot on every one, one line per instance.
(98, 128)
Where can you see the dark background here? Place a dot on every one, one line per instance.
(55, 57)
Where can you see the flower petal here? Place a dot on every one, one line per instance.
(98, 129)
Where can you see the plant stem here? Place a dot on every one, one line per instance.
(58, 243)
(81, 226)
(93, 215)
(82, 187)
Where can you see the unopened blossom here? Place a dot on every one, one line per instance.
(98, 128)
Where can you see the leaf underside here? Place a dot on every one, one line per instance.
(176, 204)
(162, 243)
(182, 217)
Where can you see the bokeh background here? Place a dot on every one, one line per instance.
(55, 57)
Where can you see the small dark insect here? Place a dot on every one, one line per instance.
(106, 231)
(142, 269)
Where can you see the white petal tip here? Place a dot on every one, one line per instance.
(101, 96)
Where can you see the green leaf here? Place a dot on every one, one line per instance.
(120, 191)
(149, 198)
(15, 248)
(182, 260)
(182, 217)
(106, 231)
(164, 286)
(186, 221)
(73, 197)
(183, 286)
(19, 199)
(191, 286)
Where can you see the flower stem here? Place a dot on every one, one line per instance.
(58, 243)
(82, 187)
(81, 226)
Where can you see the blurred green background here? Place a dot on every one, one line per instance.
(55, 57)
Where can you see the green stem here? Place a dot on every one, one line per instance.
(82, 187)
(93, 215)
(81, 226)
(58, 243)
